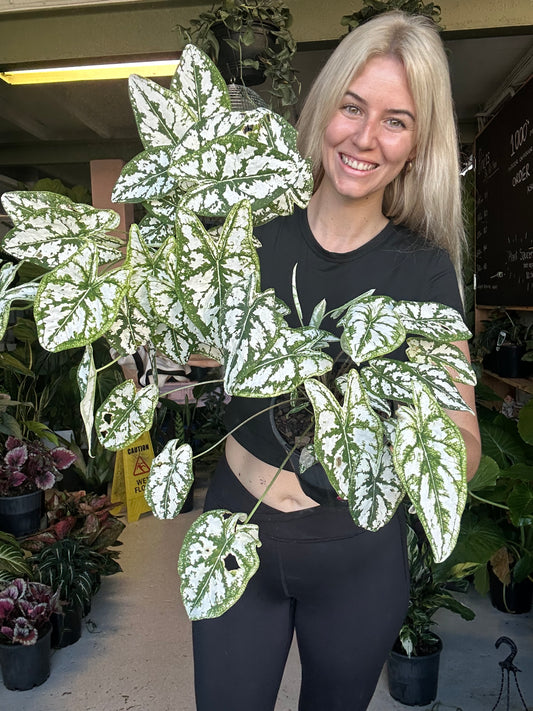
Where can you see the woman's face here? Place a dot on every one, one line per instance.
(372, 133)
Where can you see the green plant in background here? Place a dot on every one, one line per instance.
(186, 289)
(503, 327)
(430, 591)
(371, 8)
(497, 525)
(13, 561)
(245, 17)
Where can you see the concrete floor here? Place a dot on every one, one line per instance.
(135, 650)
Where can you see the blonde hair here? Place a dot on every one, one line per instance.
(426, 198)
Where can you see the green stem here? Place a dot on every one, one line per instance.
(488, 501)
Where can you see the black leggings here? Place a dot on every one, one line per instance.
(343, 590)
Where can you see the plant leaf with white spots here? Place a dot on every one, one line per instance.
(23, 292)
(51, 236)
(430, 458)
(155, 231)
(263, 356)
(217, 559)
(75, 304)
(161, 115)
(371, 328)
(432, 320)
(86, 376)
(171, 476)
(126, 415)
(199, 84)
(442, 354)
(393, 380)
(129, 330)
(145, 177)
(170, 343)
(140, 260)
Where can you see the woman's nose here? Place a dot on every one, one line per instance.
(366, 134)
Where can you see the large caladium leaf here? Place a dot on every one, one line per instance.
(145, 177)
(217, 559)
(52, 234)
(199, 84)
(86, 377)
(24, 292)
(263, 356)
(129, 330)
(140, 260)
(430, 458)
(208, 268)
(393, 380)
(75, 305)
(371, 328)
(126, 415)
(171, 476)
(171, 344)
(349, 444)
(433, 321)
(155, 231)
(443, 354)
(161, 115)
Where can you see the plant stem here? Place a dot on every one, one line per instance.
(488, 501)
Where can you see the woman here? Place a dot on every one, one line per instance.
(378, 126)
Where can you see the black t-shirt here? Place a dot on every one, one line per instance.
(394, 263)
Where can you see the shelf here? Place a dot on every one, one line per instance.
(525, 384)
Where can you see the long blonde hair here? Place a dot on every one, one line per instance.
(426, 198)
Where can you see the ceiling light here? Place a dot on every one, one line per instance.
(161, 68)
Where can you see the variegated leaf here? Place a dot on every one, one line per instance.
(75, 305)
(161, 114)
(155, 231)
(430, 458)
(348, 438)
(433, 321)
(86, 377)
(371, 329)
(199, 84)
(442, 354)
(171, 476)
(170, 343)
(394, 380)
(207, 269)
(22, 205)
(140, 260)
(217, 559)
(145, 177)
(125, 415)
(129, 330)
(51, 236)
(24, 292)
(263, 356)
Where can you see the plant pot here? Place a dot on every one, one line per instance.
(509, 363)
(21, 515)
(230, 60)
(66, 626)
(414, 680)
(26, 666)
(515, 598)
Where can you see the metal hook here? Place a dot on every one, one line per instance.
(507, 663)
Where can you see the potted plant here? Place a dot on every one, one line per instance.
(371, 8)
(25, 630)
(13, 561)
(27, 468)
(496, 539)
(413, 664)
(186, 289)
(249, 41)
(504, 345)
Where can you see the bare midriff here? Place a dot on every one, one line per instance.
(285, 494)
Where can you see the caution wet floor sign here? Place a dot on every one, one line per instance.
(132, 467)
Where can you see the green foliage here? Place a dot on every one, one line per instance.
(371, 8)
(13, 563)
(243, 17)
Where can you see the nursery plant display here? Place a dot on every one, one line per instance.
(187, 289)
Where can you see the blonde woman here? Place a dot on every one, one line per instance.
(385, 215)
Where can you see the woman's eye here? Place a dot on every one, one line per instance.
(351, 109)
(395, 123)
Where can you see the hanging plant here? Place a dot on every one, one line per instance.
(371, 8)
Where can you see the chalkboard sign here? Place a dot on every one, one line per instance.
(504, 205)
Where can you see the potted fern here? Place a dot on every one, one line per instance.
(184, 288)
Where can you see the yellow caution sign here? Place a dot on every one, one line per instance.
(132, 466)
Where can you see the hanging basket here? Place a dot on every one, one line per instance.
(26, 666)
(21, 515)
(230, 60)
(414, 680)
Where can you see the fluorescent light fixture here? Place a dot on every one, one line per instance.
(160, 68)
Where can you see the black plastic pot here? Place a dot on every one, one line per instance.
(515, 598)
(21, 515)
(509, 363)
(414, 680)
(26, 666)
(230, 60)
(66, 626)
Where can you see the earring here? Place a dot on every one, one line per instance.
(408, 166)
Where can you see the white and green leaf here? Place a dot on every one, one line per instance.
(171, 476)
(86, 376)
(217, 559)
(125, 415)
(432, 320)
(145, 177)
(23, 292)
(444, 355)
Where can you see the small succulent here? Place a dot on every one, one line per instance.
(25, 609)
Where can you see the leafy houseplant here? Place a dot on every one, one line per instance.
(236, 25)
(371, 8)
(504, 343)
(13, 561)
(185, 289)
(30, 466)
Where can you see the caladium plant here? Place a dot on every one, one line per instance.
(381, 431)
